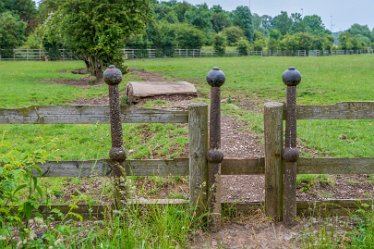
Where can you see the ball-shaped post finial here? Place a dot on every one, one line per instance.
(216, 77)
(291, 154)
(112, 75)
(291, 77)
(215, 156)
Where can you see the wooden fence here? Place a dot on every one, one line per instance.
(270, 166)
(196, 165)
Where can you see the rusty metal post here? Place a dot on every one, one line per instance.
(113, 76)
(215, 78)
(291, 78)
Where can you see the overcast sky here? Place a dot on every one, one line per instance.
(343, 13)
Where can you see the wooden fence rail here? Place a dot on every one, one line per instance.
(88, 115)
(196, 165)
(309, 208)
(180, 167)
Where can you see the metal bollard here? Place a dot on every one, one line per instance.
(215, 78)
(112, 77)
(291, 78)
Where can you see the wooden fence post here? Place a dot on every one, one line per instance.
(198, 147)
(113, 76)
(291, 78)
(273, 128)
(216, 78)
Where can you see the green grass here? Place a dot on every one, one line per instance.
(326, 80)
(133, 227)
(26, 84)
(336, 233)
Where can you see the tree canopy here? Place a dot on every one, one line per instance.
(97, 30)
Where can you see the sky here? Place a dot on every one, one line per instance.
(339, 15)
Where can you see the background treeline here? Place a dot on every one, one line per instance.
(172, 24)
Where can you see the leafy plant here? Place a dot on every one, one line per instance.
(19, 191)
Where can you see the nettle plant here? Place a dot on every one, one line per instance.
(20, 193)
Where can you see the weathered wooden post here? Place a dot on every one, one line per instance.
(216, 78)
(198, 147)
(113, 76)
(273, 129)
(291, 78)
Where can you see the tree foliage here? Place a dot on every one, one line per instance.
(242, 17)
(233, 35)
(25, 9)
(12, 32)
(219, 44)
(96, 30)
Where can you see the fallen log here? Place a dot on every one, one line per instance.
(136, 91)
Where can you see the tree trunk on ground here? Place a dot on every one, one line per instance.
(95, 68)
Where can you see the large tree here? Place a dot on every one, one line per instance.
(25, 9)
(242, 17)
(314, 25)
(12, 32)
(282, 22)
(97, 30)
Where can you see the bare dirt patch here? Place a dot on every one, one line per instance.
(84, 82)
(147, 76)
(102, 101)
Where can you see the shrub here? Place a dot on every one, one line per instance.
(219, 44)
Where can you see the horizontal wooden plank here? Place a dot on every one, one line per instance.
(75, 169)
(346, 110)
(177, 167)
(335, 166)
(317, 208)
(236, 166)
(333, 207)
(96, 212)
(88, 115)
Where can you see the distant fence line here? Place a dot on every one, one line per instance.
(157, 53)
(25, 54)
(66, 54)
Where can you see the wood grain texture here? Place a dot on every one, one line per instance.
(198, 149)
(335, 166)
(177, 167)
(346, 110)
(87, 115)
(238, 166)
(180, 167)
(273, 127)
